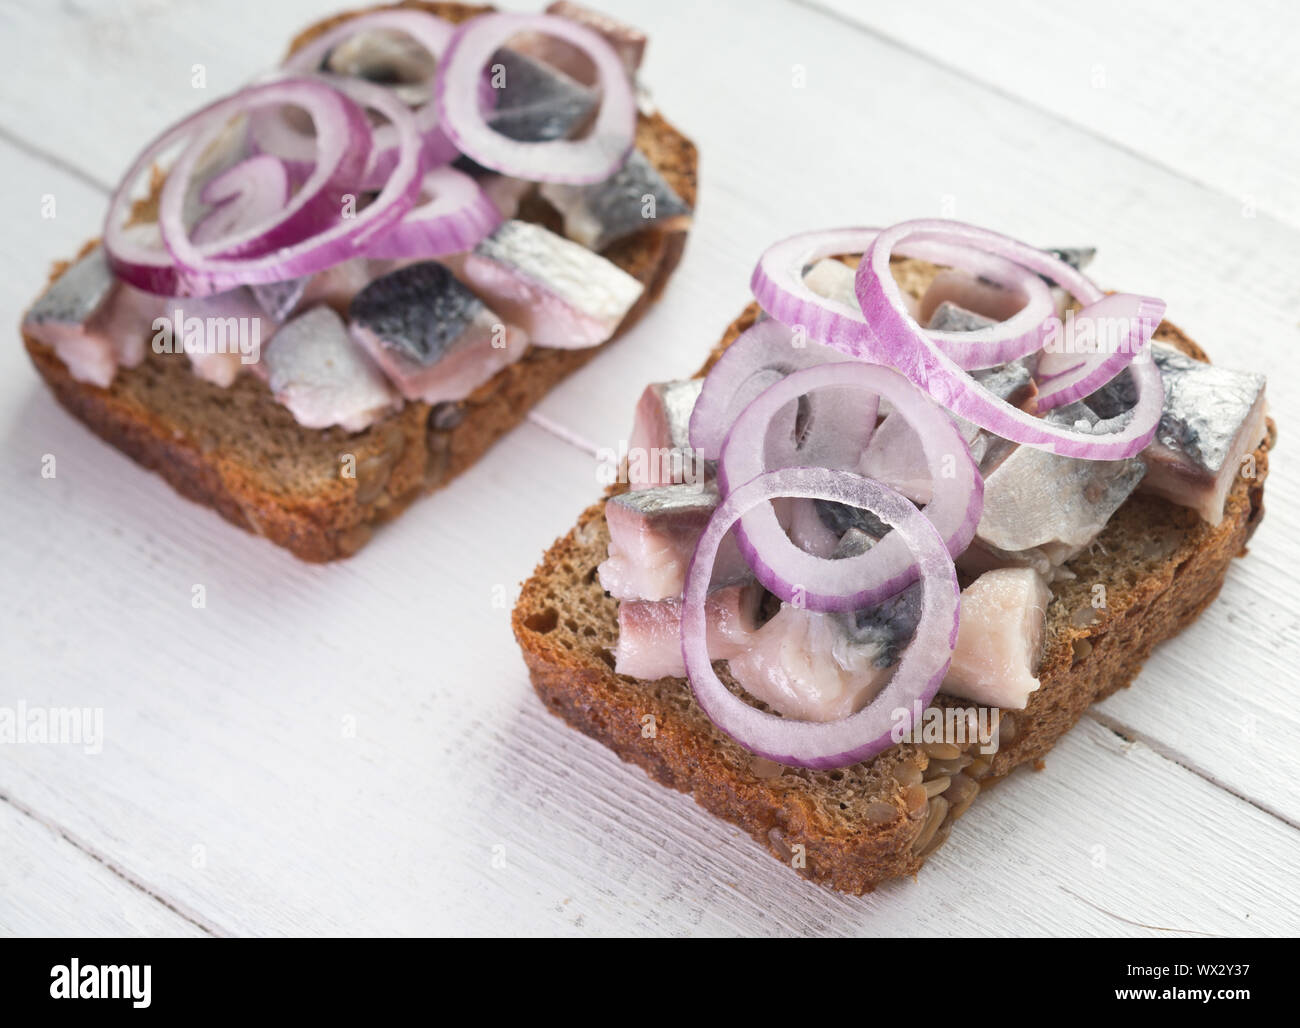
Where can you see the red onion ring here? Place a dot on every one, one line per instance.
(850, 583)
(897, 340)
(454, 216)
(924, 663)
(1064, 375)
(340, 239)
(274, 135)
(590, 159)
(245, 194)
(138, 255)
(760, 356)
(778, 285)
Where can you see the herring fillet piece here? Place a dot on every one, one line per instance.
(1212, 418)
(1000, 638)
(1038, 500)
(223, 315)
(64, 318)
(315, 369)
(660, 437)
(652, 535)
(602, 213)
(833, 279)
(649, 631)
(557, 291)
(432, 337)
(803, 665)
(536, 102)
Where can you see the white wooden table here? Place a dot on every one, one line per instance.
(356, 749)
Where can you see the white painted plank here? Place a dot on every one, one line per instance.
(227, 726)
(48, 887)
(1208, 93)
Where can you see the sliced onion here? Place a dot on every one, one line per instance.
(1065, 374)
(897, 340)
(454, 215)
(591, 159)
(925, 661)
(762, 355)
(138, 254)
(335, 239)
(273, 134)
(244, 195)
(779, 287)
(882, 571)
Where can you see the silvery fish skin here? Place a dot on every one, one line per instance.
(278, 299)
(434, 339)
(1035, 499)
(1212, 417)
(535, 102)
(652, 536)
(888, 627)
(661, 427)
(93, 322)
(649, 631)
(76, 294)
(602, 213)
(316, 370)
(559, 292)
(419, 310)
(1077, 257)
(386, 57)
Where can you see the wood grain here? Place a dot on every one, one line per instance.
(340, 749)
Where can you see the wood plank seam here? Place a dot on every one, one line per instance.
(114, 868)
(1184, 761)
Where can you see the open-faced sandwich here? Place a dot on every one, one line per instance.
(932, 495)
(332, 291)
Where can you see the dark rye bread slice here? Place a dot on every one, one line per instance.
(1161, 566)
(242, 453)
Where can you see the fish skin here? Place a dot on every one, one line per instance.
(1212, 417)
(888, 627)
(652, 537)
(434, 339)
(537, 103)
(649, 631)
(94, 322)
(278, 299)
(605, 212)
(1205, 405)
(662, 423)
(1077, 257)
(840, 518)
(315, 369)
(964, 290)
(386, 57)
(948, 317)
(559, 292)
(1034, 498)
(76, 294)
(419, 310)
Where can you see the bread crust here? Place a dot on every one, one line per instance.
(1081, 665)
(419, 457)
